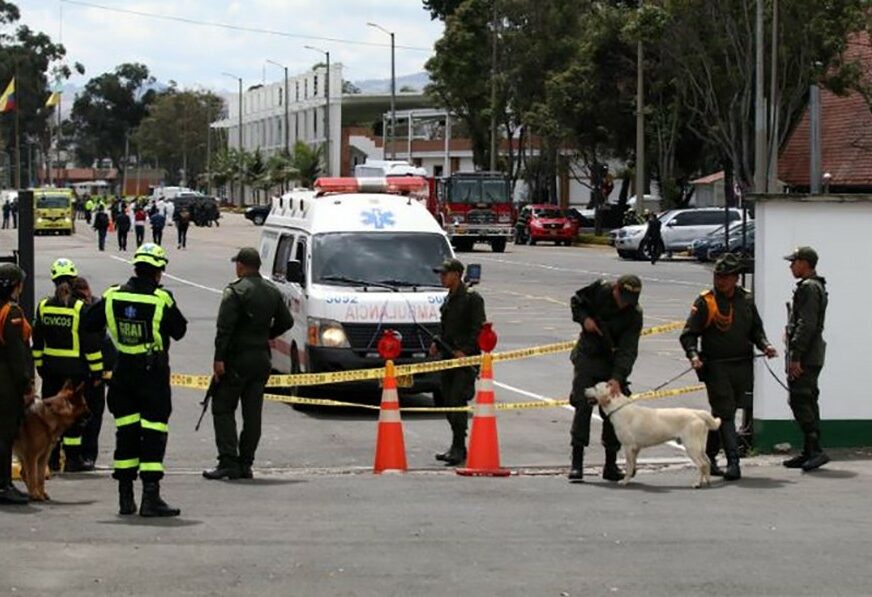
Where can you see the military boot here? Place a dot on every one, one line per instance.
(712, 447)
(443, 456)
(731, 446)
(611, 472)
(9, 494)
(152, 504)
(816, 456)
(126, 500)
(457, 454)
(576, 472)
(798, 460)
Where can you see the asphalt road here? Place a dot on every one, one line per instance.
(315, 521)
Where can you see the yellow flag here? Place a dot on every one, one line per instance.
(7, 100)
(53, 100)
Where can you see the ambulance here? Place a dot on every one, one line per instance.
(353, 259)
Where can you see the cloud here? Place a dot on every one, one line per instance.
(195, 55)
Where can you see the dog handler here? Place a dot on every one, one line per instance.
(607, 347)
(725, 321)
(63, 351)
(16, 375)
(141, 317)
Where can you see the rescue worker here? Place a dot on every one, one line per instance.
(16, 375)
(806, 349)
(89, 208)
(462, 316)
(63, 350)
(252, 313)
(606, 351)
(141, 317)
(719, 339)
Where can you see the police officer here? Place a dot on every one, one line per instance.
(141, 317)
(806, 348)
(16, 375)
(462, 316)
(63, 350)
(252, 312)
(719, 339)
(611, 322)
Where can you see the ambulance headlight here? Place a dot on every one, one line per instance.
(327, 333)
(39, 220)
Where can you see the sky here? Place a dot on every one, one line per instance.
(195, 56)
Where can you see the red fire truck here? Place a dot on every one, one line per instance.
(474, 207)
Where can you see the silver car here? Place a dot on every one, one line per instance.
(679, 228)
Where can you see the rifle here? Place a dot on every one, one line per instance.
(788, 329)
(210, 392)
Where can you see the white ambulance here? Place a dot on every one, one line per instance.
(354, 258)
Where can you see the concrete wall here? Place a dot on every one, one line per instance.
(838, 228)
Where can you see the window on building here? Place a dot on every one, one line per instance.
(315, 86)
(297, 88)
(281, 98)
(315, 122)
(306, 89)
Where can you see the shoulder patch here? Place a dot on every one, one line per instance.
(706, 292)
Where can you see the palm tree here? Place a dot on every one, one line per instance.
(307, 161)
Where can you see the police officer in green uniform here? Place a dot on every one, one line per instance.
(725, 322)
(462, 316)
(63, 350)
(252, 313)
(806, 349)
(141, 317)
(606, 350)
(16, 375)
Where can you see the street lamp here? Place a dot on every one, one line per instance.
(393, 88)
(326, 109)
(287, 116)
(241, 183)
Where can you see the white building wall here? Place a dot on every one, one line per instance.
(838, 229)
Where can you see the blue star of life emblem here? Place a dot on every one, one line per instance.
(378, 219)
(130, 312)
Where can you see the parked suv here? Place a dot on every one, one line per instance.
(679, 228)
(544, 222)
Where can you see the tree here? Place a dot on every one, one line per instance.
(109, 109)
(307, 161)
(442, 9)
(280, 170)
(31, 57)
(174, 133)
(349, 88)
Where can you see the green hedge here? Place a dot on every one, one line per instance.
(592, 239)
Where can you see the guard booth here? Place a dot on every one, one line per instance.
(837, 226)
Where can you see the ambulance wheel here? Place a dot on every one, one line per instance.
(498, 245)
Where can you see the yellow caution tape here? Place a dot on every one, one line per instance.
(315, 379)
(531, 405)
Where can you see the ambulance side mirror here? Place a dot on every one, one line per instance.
(294, 273)
(473, 274)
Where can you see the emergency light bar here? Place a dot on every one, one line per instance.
(396, 185)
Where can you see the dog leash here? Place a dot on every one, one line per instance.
(735, 359)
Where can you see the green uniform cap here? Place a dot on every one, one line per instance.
(630, 286)
(729, 264)
(805, 254)
(449, 265)
(10, 275)
(247, 256)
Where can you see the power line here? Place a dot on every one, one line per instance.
(200, 23)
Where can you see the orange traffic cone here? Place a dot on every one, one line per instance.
(111, 225)
(390, 448)
(484, 446)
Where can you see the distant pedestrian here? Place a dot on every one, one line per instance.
(183, 222)
(652, 242)
(139, 219)
(7, 212)
(15, 214)
(101, 225)
(89, 209)
(158, 221)
(122, 226)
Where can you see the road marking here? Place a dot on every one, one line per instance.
(541, 398)
(598, 274)
(176, 278)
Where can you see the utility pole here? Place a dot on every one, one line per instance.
(287, 108)
(760, 157)
(326, 110)
(815, 137)
(393, 89)
(493, 123)
(640, 126)
(774, 132)
(17, 133)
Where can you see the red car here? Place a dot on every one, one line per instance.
(544, 222)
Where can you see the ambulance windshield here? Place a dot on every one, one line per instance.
(376, 257)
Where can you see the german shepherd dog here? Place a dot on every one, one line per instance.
(44, 423)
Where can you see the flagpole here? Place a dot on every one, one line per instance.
(58, 136)
(17, 133)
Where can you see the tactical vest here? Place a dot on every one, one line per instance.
(61, 349)
(134, 320)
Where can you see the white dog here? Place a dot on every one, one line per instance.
(638, 427)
